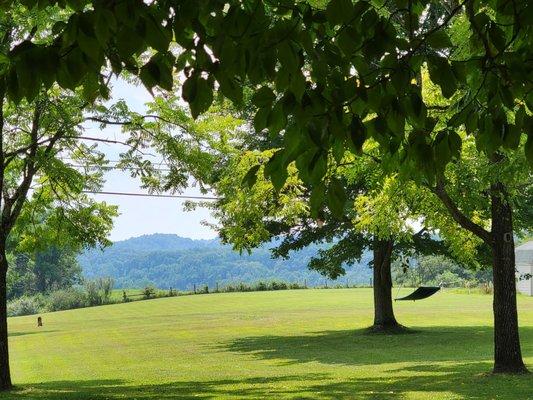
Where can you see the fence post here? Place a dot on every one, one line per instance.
(194, 288)
(216, 285)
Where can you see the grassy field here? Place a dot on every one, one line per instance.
(301, 344)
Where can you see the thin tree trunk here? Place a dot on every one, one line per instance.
(507, 353)
(5, 375)
(384, 319)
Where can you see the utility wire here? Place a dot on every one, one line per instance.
(168, 196)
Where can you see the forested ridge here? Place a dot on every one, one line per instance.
(166, 260)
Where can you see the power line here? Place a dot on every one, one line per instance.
(168, 196)
(115, 168)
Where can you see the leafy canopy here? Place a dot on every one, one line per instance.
(324, 77)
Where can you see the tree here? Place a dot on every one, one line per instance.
(492, 199)
(56, 268)
(338, 75)
(377, 217)
(42, 149)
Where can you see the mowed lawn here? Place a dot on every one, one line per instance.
(301, 344)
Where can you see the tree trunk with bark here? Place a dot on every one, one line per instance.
(507, 352)
(5, 375)
(384, 319)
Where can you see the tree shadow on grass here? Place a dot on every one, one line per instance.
(357, 347)
(247, 388)
(459, 382)
(36, 332)
(435, 363)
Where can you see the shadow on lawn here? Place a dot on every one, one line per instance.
(24, 333)
(437, 362)
(357, 347)
(461, 381)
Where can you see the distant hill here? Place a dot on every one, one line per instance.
(166, 260)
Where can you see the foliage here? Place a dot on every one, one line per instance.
(25, 305)
(98, 291)
(438, 271)
(66, 299)
(170, 261)
(55, 269)
(324, 78)
(149, 292)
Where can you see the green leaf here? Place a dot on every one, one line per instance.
(251, 176)
(158, 71)
(497, 37)
(511, 137)
(339, 11)
(264, 97)
(349, 40)
(90, 46)
(297, 85)
(276, 171)
(204, 97)
(336, 198)
(156, 36)
(128, 42)
(288, 56)
(261, 118)
(439, 40)
(230, 88)
(357, 134)
(528, 148)
(441, 73)
(318, 195)
(276, 119)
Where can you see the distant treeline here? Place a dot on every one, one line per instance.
(171, 261)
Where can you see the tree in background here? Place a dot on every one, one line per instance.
(377, 217)
(438, 270)
(56, 268)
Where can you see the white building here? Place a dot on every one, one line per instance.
(524, 266)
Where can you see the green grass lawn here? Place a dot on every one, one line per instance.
(301, 344)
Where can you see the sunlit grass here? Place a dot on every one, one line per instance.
(301, 344)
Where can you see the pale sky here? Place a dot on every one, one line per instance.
(144, 215)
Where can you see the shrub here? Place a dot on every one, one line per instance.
(106, 288)
(274, 285)
(24, 306)
(486, 288)
(99, 291)
(67, 299)
(149, 292)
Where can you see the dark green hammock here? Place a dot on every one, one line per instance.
(420, 293)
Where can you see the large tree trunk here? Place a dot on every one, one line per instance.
(507, 353)
(5, 375)
(384, 319)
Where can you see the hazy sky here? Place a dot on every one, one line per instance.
(144, 215)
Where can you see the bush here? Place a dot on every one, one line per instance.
(99, 291)
(24, 306)
(486, 288)
(149, 292)
(67, 299)
(274, 285)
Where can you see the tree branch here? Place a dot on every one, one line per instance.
(458, 216)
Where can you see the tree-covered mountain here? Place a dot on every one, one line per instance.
(166, 260)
